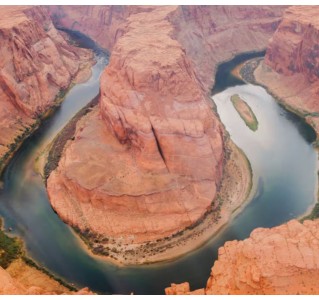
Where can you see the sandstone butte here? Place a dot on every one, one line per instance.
(147, 162)
(280, 260)
(36, 65)
(291, 66)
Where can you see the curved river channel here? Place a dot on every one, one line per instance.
(284, 164)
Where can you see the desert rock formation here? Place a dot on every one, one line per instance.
(279, 260)
(291, 66)
(37, 65)
(153, 147)
(21, 279)
(209, 34)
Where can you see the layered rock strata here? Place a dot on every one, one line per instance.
(279, 260)
(148, 161)
(291, 66)
(32, 282)
(37, 66)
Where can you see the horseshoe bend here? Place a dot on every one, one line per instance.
(160, 163)
(154, 148)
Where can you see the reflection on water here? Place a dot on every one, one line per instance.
(284, 166)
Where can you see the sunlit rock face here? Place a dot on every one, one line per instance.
(36, 64)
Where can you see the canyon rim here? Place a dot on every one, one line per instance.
(147, 172)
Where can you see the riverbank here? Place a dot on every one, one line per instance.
(24, 270)
(254, 72)
(83, 74)
(233, 193)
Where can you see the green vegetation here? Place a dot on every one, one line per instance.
(32, 264)
(313, 215)
(67, 133)
(10, 249)
(245, 112)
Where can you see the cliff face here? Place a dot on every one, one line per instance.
(281, 260)
(209, 34)
(291, 66)
(153, 148)
(33, 282)
(294, 48)
(214, 34)
(37, 63)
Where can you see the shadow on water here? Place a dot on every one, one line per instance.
(306, 131)
(224, 77)
(84, 41)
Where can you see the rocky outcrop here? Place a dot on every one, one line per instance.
(37, 65)
(291, 66)
(36, 283)
(279, 260)
(153, 148)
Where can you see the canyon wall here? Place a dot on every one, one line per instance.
(37, 65)
(291, 66)
(280, 260)
(208, 34)
(148, 161)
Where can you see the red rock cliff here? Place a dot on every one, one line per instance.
(209, 34)
(153, 152)
(36, 63)
(281, 260)
(291, 66)
(154, 149)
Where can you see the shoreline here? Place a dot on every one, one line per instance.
(246, 72)
(22, 262)
(83, 74)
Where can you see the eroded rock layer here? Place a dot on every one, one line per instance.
(33, 282)
(36, 65)
(280, 260)
(148, 162)
(291, 66)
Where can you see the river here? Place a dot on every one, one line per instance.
(284, 164)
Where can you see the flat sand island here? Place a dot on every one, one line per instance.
(245, 112)
(235, 190)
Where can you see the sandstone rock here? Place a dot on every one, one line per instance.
(8, 286)
(37, 63)
(26, 280)
(147, 163)
(154, 150)
(209, 34)
(280, 260)
(291, 66)
(178, 289)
